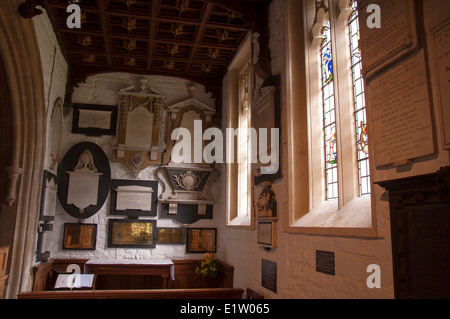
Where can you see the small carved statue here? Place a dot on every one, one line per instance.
(266, 203)
(86, 162)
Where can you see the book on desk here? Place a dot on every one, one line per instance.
(74, 281)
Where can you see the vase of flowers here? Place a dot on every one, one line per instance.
(209, 272)
(209, 266)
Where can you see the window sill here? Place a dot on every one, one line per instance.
(353, 220)
(241, 222)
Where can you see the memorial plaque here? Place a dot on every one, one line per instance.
(325, 262)
(401, 114)
(79, 236)
(139, 141)
(442, 47)
(396, 37)
(201, 240)
(84, 171)
(269, 275)
(123, 233)
(94, 120)
(139, 129)
(83, 189)
(266, 233)
(134, 198)
(171, 236)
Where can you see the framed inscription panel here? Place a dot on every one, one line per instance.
(171, 236)
(267, 233)
(396, 37)
(269, 275)
(79, 236)
(201, 240)
(140, 139)
(94, 120)
(124, 233)
(401, 113)
(325, 262)
(442, 50)
(134, 198)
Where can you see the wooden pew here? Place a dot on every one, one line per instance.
(44, 277)
(214, 293)
(3, 262)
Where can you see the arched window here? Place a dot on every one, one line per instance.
(326, 96)
(330, 81)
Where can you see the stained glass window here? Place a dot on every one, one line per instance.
(329, 117)
(360, 104)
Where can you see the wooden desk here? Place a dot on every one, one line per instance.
(132, 267)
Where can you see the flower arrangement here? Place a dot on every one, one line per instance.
(209, 266)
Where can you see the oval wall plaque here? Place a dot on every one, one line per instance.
(84, 176)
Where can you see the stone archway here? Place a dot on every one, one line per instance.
(22, 110)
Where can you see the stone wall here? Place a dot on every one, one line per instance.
(54, 68)
(103, 89)
(295, 253)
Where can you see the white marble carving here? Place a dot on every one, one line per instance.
(83, 183)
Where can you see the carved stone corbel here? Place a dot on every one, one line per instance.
(13, 174)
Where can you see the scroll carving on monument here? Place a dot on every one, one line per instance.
(140, 140)
(401, 113)
(396, 37)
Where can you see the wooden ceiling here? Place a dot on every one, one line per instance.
(191, 39)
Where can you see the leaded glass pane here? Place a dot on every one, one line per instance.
(329, 117)
(360, 104)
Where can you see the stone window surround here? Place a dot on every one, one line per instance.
(308, 212)
(235, 218)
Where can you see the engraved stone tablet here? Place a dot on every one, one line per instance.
(401, 115)
(442, 44)
(139, 129)
(94, 118)
(84, 178)
(83, 182)
(134, 198)
(396, 37)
